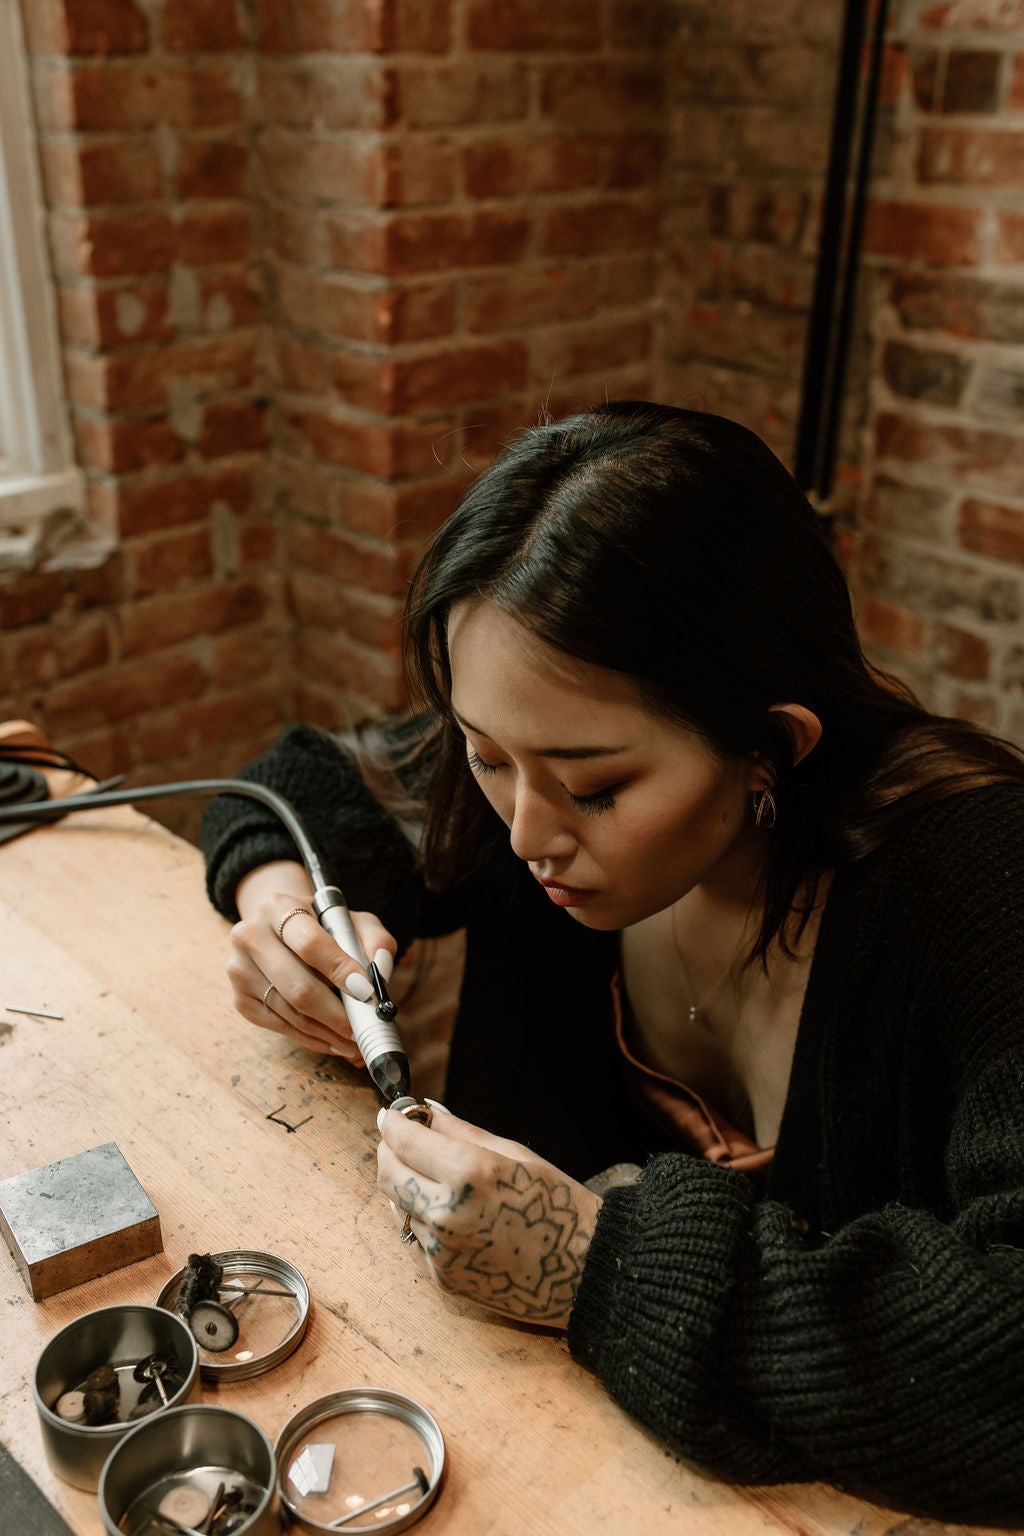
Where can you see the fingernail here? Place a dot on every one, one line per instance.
(384, 960)
(336, 1050)
(435, 1105)
(358, 986)
(380, 1116)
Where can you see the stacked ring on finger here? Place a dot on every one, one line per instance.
(408, 1235)
(270, 988)
(295, 912)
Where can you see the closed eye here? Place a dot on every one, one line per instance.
(593, 805)
(477, 764)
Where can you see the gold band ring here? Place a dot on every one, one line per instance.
(287, 918)
(408, 1235)
(270, 988)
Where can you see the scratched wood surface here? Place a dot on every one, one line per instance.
(104, 919)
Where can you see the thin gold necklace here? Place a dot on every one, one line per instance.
(694, 1010)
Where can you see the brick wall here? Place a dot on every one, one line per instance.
(316, 261)
(460, 205)
(749, 89)
(938, 555)
(164, 655)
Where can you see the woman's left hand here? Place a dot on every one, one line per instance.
(497, 1224)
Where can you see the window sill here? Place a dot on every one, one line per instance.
(29, 498)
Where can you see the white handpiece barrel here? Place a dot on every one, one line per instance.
(379, 1041)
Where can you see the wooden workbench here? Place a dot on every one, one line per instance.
(104, 919)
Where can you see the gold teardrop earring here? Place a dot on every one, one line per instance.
(764, 809)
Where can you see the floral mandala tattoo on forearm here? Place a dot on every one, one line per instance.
(525, 1259)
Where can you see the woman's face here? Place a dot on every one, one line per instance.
(617, 811)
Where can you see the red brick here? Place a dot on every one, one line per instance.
(907, 511)
(257, 542)
(29, 599)
(993, 460)
(415, 172)
(111, 245)
(508, 167)
(534, 296)
(893, 628)
(315, 26)
(245, 656)
(84, 645)
(194, 96)
(894, 73)
(974, 157)
(303, 366)
(959, 304)
(121, 693)
(1009, 249)
(585, 229)
(596, 94)
(993, 529)
(958, 653)
(152, 506)
(417, 26)
(215, 236)
(445, 96)
(124, 381)
(229, 300)
(327, 93)
(984, 14)
(206, 723)
(929, 583)
(299, 167)
(353, 26)
(323, 604)
(34, 657)
(104, 752)
(110, 317)
(121, 446)
(439, 379)
(593, 347)
(240, 427)
(79, 175)
(417, 243)
(957, 80)
(356, 562)
(923, 232)
(357, 670)
(356, 442)
(196, 26)
(85, 26)
(534, 25)
(218, 168)
(295, 235)
(175, 560)
(157, 623)
(638, 23)
(1016, 97)
(634, 160)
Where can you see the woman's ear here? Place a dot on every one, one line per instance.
(802, 727)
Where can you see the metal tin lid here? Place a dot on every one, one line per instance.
(362, 1452)
(270, 1325)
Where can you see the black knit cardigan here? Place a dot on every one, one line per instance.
(861, 1318)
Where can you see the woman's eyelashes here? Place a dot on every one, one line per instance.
(590, 805)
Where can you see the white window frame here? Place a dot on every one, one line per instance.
(37, 469)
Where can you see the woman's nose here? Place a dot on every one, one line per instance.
(537, 831)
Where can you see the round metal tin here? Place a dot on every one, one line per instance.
(201, 1450)
(332, 1419)
(270, 1327)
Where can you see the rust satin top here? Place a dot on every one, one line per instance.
(689, 1123)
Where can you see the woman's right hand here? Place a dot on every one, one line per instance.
(283, 965)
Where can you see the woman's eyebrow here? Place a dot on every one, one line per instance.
(568, 754)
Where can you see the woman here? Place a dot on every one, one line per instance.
(745, 953)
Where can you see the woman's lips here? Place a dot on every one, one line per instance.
(566, 895)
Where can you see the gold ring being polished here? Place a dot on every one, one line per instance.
(287, 918)
(408, 1235)
(270, 988)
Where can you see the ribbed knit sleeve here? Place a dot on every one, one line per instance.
(363, 847)
(883, 1349)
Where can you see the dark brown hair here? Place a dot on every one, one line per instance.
(672, 547)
